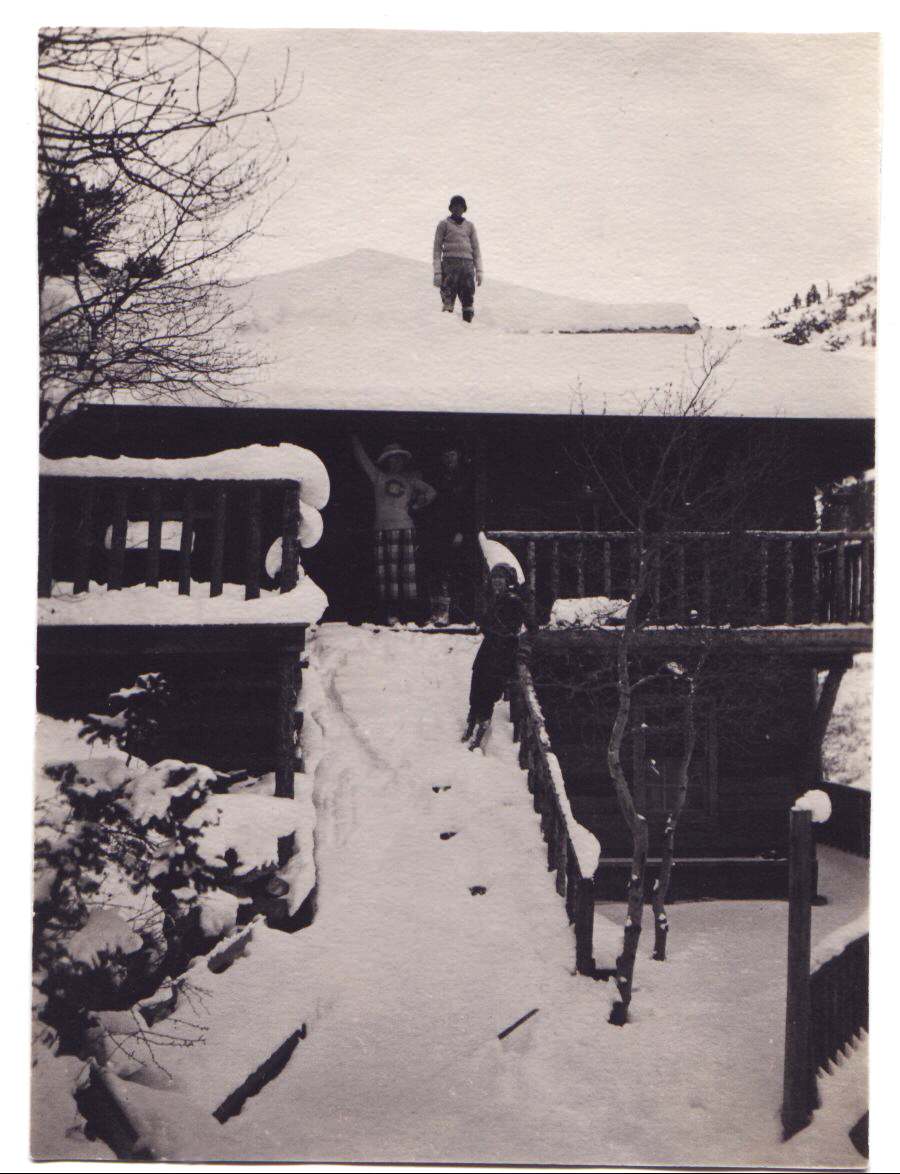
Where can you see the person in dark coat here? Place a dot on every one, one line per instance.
(449, 532)
(495, 660)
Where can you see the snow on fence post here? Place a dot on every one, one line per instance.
(800, 1095)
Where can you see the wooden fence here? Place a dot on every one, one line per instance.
(828, 1006)
(569, 845)
(762, 577)
(224, 527)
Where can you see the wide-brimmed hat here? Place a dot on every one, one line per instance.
(394, 450)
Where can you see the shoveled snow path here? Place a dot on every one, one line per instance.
(406, 978)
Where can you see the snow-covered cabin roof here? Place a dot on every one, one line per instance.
(365, 331)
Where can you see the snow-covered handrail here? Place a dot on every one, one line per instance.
(254, 462)
(789, 577)
(571, 849)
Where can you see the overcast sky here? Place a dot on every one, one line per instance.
(721, 170)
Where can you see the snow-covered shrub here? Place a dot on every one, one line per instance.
(118, 885)
(134, 717)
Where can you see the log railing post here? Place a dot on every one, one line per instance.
(286, 730)
(531, 574)
(154, 534)
(584, 925)
(579, 568)
(840, 581)
(680, 591)
(217, 561)
(254, 542)
(116, 564)
(187, 539)
(865, 588)
(46, 536)
(763, 581)
(554, 569)
(706, 589)
(815, 583)
(290, 536)
(788, 582)
(607, 568)
(85, 538)
(799, 1075)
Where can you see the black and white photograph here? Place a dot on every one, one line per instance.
(455, 595)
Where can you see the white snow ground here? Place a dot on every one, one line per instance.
(406, 977)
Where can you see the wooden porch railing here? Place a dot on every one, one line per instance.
(571, 849)
(827, 1004)
(751, 577)
(225, 526)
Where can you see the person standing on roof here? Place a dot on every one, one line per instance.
(457, 260)
(398, 490)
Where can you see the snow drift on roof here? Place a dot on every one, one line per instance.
(365, 332)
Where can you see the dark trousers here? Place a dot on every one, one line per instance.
(494, 663)
(458, 281)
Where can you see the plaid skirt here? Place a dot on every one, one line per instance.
(395, 564)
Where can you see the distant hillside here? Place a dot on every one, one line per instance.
(831, 320)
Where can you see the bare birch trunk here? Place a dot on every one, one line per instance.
(661, 887)
(637, 823)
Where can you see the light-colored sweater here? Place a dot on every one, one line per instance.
(395, 493)
(456, 240)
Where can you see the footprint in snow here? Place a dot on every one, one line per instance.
(438, 789)
(477, 890)
(447, 835)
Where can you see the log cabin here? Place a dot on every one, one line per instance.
(358, 345)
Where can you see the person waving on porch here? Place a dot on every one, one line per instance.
(398, 491)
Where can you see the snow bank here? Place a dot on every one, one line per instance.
(104, 932)
(847, 746)
(163, 605)
(495, 552)
(837, 941)
(255, 462)
(817, 802)
(241, 831)
(589, 612)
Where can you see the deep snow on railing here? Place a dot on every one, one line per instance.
(572, 851)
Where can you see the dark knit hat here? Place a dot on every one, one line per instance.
(457, 200)
(507, 571)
